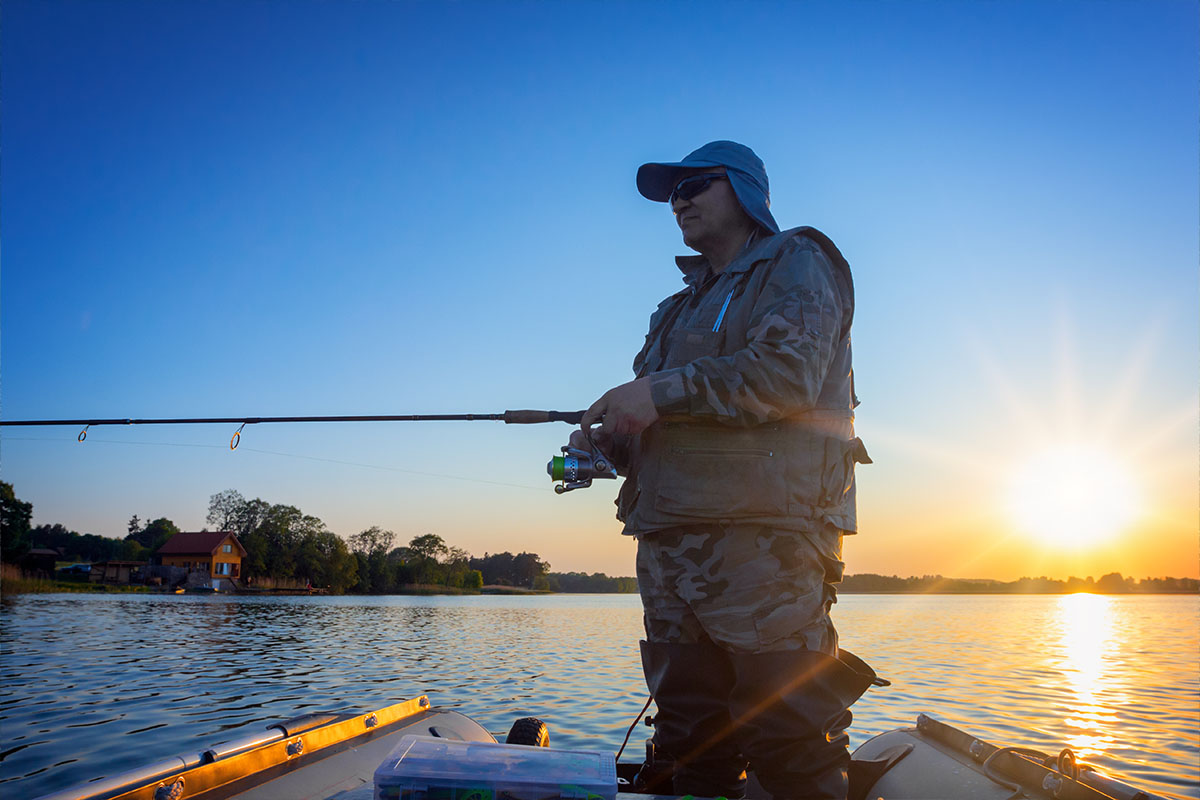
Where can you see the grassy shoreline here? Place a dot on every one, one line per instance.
(14, 581)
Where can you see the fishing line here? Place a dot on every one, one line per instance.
(394, 469)
(286, 455)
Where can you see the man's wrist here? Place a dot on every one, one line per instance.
(667, 392)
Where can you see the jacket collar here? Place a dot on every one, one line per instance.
(697, 271)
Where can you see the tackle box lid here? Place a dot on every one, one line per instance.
(422, 766)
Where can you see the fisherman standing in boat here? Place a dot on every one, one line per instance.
(736, 441)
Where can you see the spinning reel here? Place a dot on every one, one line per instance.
(576, 468)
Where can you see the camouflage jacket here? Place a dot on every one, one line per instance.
(750, 370)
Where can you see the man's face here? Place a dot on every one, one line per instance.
(711, 216)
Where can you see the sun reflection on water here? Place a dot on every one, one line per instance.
(1086, 644)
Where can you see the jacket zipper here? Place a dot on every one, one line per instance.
(719, 451)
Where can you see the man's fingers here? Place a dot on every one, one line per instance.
(581, 440)
(593, 414)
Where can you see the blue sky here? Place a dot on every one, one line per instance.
(332, 208)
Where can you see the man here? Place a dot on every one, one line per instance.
(736, 440)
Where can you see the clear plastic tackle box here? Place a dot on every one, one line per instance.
(429, 768)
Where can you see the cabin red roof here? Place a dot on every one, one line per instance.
(195, 544)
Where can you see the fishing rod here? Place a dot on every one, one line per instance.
(575, 469)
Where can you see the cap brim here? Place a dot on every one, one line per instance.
(656, 181)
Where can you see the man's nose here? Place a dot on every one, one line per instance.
(678, 204)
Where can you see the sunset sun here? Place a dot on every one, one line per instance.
(1072, 495)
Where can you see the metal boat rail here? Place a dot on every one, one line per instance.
(117, 784)
(248, 759)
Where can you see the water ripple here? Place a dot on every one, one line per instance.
(1117, 679)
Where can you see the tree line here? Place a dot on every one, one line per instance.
(1112, 583)
(596, 583)
(286, 545)
(18, 537)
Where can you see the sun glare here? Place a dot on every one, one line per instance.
(1085, 645)
(1072, 495)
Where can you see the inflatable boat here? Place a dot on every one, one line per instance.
(339, 755)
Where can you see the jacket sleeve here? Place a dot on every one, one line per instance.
(795, 326)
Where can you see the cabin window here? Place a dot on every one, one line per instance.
(227, 548)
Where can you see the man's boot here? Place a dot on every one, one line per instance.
(690, 684)
(792, 711)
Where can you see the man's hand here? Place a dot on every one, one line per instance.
(624, 410)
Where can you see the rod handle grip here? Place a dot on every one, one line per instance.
(529, 417)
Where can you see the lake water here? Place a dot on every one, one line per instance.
(95, 684)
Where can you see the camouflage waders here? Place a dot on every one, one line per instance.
(745, 588)
(742, 661)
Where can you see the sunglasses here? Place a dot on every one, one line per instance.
(693, 185)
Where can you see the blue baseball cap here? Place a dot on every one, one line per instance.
(746, 172)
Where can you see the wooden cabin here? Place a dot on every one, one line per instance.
(40, 561)
(217, 552)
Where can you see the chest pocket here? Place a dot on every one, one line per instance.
(685, 345)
